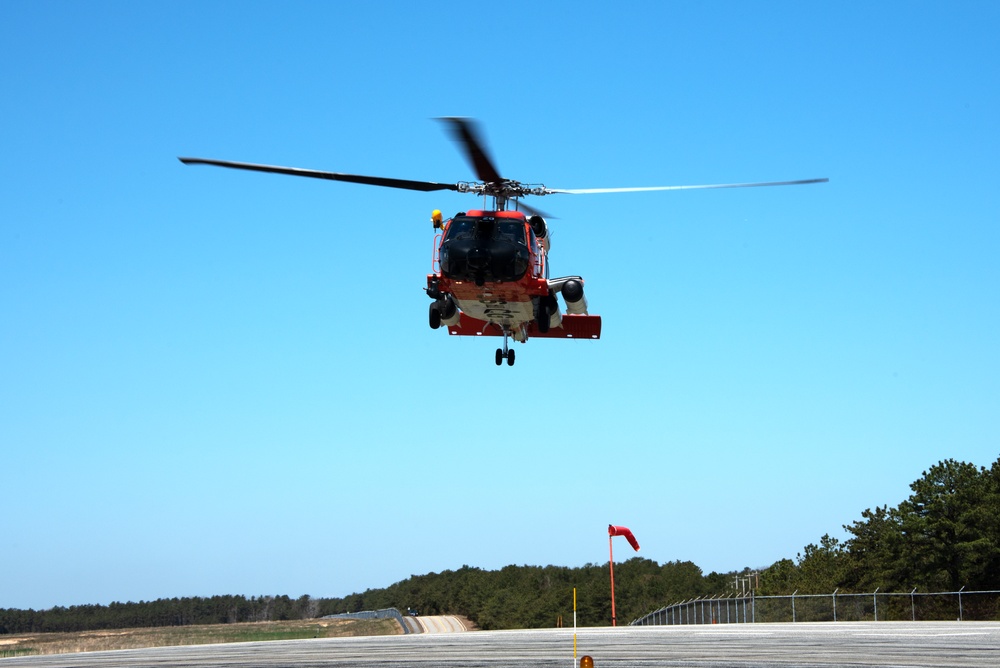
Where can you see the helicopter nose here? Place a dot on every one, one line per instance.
(478, 258)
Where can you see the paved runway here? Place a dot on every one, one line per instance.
(857, 645)
(434, 624)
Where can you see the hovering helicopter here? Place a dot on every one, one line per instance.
(490, 266)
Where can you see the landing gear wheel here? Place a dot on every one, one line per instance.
(542, 321)
(505, 353)
(435, 316)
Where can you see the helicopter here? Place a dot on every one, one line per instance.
(490, 266)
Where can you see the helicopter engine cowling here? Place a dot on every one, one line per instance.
(538, 226)
(541, 230)
(576, 302)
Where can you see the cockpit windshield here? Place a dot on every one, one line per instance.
(510, 231)
(486, 229)
(485, 249)
(462, 228)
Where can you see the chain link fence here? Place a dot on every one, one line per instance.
(876, 606)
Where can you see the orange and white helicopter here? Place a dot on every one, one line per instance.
(491, 273)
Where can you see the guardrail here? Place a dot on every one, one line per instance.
(874, 606)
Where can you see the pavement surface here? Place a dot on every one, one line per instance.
(434, 624)
(855, 645)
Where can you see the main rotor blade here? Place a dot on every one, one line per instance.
(464, 131)
(532, 211)
(593, 191)
(425, 186)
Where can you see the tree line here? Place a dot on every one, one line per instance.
(162, 612)
(512, 597)
(540, 596)
(946, 535)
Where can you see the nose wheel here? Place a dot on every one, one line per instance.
(505, 353)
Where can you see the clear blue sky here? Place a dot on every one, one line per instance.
(220, 382)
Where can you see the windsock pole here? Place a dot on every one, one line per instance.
(611, 565)
(612, 532)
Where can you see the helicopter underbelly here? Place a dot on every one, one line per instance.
(498, 310)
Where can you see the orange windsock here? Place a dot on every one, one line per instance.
(624, 531)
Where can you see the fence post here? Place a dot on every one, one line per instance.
(960, 603)
(913, 608)
(835, 603)
(793, 605)
(875, 599)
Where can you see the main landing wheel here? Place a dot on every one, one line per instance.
(505, 353)
(542, 321)
(501, 356)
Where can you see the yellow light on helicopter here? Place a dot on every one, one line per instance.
(436, 218)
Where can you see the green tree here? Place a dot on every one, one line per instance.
(779, 579)
(875, 551)
(948, 527)
(821, 568)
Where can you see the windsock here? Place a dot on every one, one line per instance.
(624, 531)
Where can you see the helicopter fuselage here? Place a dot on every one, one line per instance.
(491, 278)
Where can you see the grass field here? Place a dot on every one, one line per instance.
(100, 641)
